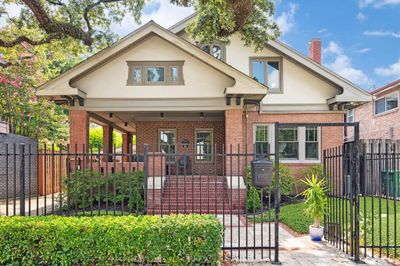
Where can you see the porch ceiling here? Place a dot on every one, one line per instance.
(118, 119)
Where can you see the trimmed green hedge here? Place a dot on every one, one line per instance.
(107, 240)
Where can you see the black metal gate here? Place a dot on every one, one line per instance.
(363, 180)
(77, 180)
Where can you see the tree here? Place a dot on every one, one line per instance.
(96, 138)
(89, 21)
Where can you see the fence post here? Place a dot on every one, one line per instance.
(277, 195)
(356, 186)
(22, 179)
(145, 174)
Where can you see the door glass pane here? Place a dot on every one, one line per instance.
(203, 146)
(380, 106)
(155, 74)
(174, 74)
(258, 69)
(167, 141)
(273, 75)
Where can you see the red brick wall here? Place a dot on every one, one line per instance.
(147, 133)
(234, 141)
(378, 126)
(79, 129)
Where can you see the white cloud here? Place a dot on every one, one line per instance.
(166, 15)
(285, 20)
(342, 65)
(363, 50)
(361, 17)
(381, 33)
(391, 71)
(377, 3)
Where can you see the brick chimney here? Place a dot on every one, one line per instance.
(314, 50)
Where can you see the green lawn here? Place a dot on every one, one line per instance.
(373, 230)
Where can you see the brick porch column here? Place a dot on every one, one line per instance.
(126, 144)
(78, 130)
(234, 136)
(107, 141)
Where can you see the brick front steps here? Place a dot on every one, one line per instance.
(197, 194)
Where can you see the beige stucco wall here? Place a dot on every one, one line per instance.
(300, 86)
(110, 80)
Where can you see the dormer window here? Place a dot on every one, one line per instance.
(267, 71)
(155, 73)
(216, 50)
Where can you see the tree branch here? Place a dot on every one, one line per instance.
(22, 39)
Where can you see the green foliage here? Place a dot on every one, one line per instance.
(217, 20)
(83, 188)
(316, 170)
(96, 138)
(286, 180)
(316, 198)
(253, 198)
(292, 215)
(106, 240)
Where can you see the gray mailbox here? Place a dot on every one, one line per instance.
(261, 173)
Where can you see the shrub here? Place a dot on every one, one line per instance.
(107, 240)
(316, 170)
(83, 188)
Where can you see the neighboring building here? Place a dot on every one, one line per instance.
(158, 84)
(379, 119)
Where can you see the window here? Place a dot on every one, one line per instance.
(216, 50)
(204, 144)
(267, 71)
(261, 139)
(387, 103)
(288, 143)
(350, 116)
(155, 73)
(312, 144)
(167, 140)
(296, 144)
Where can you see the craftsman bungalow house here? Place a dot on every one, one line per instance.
(176, 94)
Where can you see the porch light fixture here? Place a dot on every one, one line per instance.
(126, 124)
(201, 115)
(111, 115)
(162, 115)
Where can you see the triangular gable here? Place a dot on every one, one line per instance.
(61, 85)
(350, 91)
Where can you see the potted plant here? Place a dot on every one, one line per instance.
(316, 201)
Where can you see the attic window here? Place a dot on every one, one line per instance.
(267, 71)
(155, 73)
(216, 50)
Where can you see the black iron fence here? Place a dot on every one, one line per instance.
(74, 180)
(364, 198)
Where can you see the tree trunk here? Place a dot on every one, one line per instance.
(317, 222)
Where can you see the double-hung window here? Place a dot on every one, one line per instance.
(267, 71)
(155, 73)
(261, 140)
(386, 103)
(289, 143)
(204, 144)
(311, 143)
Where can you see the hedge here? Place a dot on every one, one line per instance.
(108, 240)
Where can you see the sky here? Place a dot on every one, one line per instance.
(360, 38)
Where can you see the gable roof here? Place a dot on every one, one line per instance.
(386, 87)
(349, 91)
(61, 85)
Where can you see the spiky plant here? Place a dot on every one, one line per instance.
(316, 198)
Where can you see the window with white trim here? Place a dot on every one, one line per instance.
(296, 144)
(261, 138)
(386, 103)
(288, 143)
(350, 116)
(204, 144)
